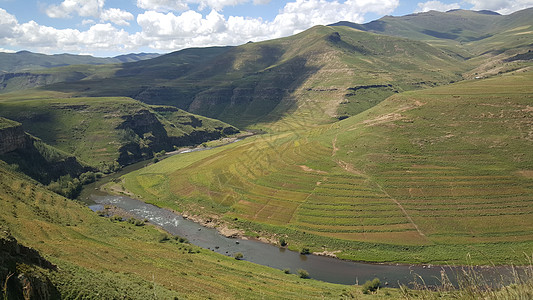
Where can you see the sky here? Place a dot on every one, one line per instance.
(113, 27)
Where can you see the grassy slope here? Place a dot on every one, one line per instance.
(487, 40)
(426, 176)
(24, 61)
(456, 25)
(259, 83)
(101, 259)
(89, 127)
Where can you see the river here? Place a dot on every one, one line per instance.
(319, 267)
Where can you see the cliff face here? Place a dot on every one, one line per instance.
(21, 263)
(151, 133)
(13, 138)
(147, 135)
(31, 156)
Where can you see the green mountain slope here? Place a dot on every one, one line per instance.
(35, 158)
(305, 76)
(108, 132)
(427, 176)
(24, 61)
(490, 41)
(135, 75)
(457, 25)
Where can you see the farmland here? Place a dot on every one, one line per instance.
(426, 176)
(98, 258)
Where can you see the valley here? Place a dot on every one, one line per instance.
(403, 141)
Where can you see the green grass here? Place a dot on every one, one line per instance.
(6, 123)
(99, 258)
(103, 130)
(276, 84)
(426, 177)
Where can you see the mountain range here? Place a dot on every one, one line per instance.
(402, 140)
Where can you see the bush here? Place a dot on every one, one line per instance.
(136, 222)
(66, 186)
(303, 274)
(180, 239)
(282, 242)
(116, 218)
(305, 251)
(287, 271)
(371, 286)
(238, 256)
(87, 177)
(163, 237)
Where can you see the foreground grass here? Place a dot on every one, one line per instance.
(425, 177)
(101, 259)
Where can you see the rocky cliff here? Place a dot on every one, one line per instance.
(163, 128)
(23, 271)
(33, 157)
(12, 136)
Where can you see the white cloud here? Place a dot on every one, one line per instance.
(162, 5)
(436, 5)
(88, 21)
(8, 24)
(501, 6)
(7, 50)
(116, 16)
(36, 37)
(183, 5)
(84, 8)
(89, 8)
(170, 31)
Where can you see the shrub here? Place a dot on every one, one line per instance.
(287, 271)
(66, 186)
(238, 256)
(135, 222)
(163, 237)
(87, 177)
(282, 242)
(305, 251)
(116, 218)
(371, 286)
(303, 273)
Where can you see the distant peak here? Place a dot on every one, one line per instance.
(488, 12)
(482, 12)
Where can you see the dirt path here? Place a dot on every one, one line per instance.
(349, 168)
(334, 144)
(403, 210)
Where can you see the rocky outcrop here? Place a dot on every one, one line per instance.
(13, 138)
(148, 134)
(24, 271)
(33, 157)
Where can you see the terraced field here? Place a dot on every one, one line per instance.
(97, 258)
(445, 168)
(459, 163)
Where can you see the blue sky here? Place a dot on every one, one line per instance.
(113, 27)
